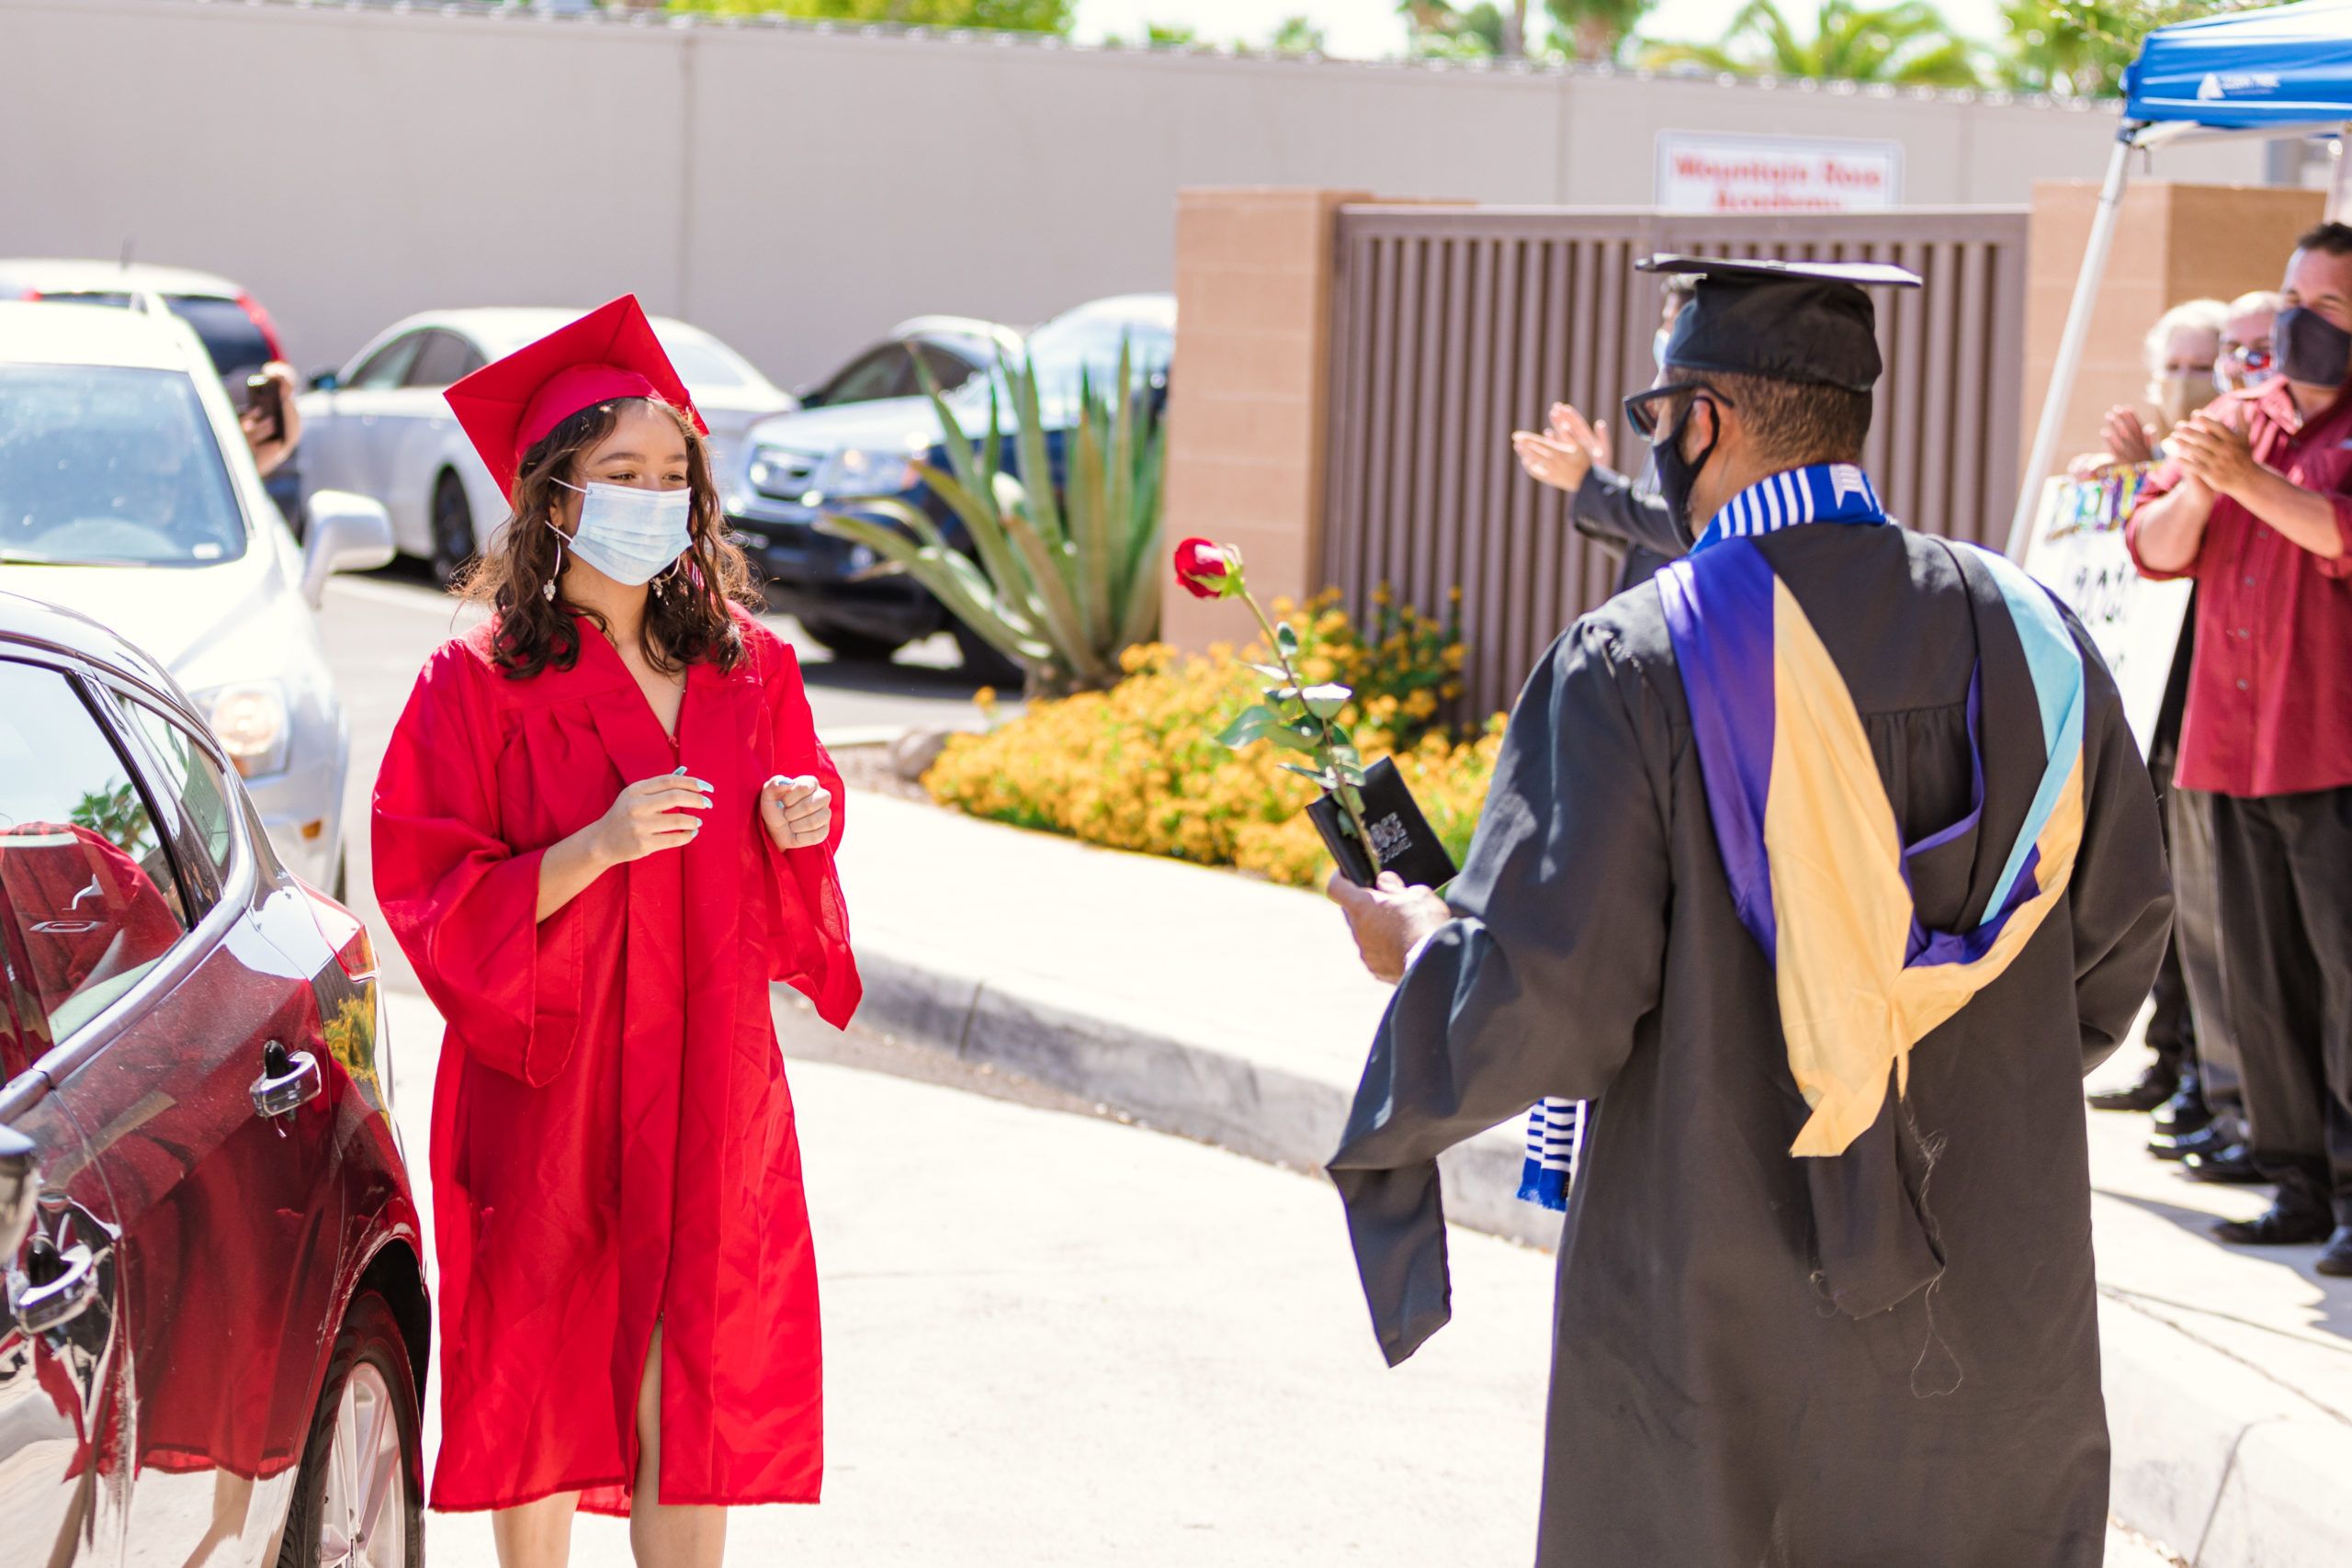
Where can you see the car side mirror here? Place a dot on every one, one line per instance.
(326, 380)
(347, 533)
(19, 1189)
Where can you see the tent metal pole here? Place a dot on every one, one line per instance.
(2071, 343)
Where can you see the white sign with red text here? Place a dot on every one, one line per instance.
(1712, 172)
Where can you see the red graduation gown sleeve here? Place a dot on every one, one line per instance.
(808, 941)
(463, 904)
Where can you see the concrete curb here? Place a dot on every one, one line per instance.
(1186, 1087)
(2230, 1466)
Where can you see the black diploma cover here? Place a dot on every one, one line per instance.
(1406, 843)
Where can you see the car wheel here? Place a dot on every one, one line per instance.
(360, 1497)
(854, 646)
(982, 662)
(453, 530)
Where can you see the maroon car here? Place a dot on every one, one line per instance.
(215, 1341)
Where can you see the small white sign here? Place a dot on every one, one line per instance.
(1712, 172)
(2077, 550)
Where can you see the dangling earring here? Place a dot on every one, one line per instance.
(549, 592)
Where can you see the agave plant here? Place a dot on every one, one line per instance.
(1061, 577)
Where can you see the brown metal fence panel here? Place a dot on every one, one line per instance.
(1453, 326)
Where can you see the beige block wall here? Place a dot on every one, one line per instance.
(796, 191)
(1247, 414)
(2172, 243)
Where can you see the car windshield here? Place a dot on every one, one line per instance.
(1084, 347)
(108, 466)
(702, 363)
(231, 336)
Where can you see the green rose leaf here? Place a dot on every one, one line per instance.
(1302, 772)
(1287, 639)
(1249, 725)
(1296, 738)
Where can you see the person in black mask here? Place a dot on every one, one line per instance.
(1825, 862)
(2255, 504)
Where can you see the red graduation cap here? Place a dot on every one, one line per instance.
(509, 406)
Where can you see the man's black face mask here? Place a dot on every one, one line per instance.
(2313, 350)
(1677, 473)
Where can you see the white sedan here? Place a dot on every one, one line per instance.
(380, 425)
(127, 493)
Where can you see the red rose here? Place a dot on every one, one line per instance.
(1207, 570)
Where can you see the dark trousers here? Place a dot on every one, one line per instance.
(2283, 869)
(2195, 957)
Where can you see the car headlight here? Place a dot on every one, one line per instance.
(854, 471)
(780, 472)
(254, 725)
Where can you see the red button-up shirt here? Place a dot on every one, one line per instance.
(2270, 693)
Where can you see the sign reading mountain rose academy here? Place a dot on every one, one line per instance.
(1712, 172)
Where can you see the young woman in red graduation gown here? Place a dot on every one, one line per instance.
(604, 825)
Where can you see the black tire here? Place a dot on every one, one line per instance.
(983, 664)
(453, 529)
(855, 647)
(370, 1337)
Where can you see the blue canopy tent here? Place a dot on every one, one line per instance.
(2277, 74)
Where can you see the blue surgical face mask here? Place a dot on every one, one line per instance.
(631, 535)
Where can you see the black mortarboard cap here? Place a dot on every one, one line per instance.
(1785, 320)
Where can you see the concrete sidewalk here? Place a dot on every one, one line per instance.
(1224, 1010)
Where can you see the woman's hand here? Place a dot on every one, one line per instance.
(269, 455)
(2128, 440)
(796, 812)
(648, 817)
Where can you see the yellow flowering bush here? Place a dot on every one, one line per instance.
(1139, 767)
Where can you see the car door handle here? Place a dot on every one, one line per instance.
(69, 1284)
(288, 1080)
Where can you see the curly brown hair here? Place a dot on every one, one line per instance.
(687, 615)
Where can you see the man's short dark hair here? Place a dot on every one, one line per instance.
(1796, 422)
(2334, 239)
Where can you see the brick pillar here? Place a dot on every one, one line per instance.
(2171, 243)
(1247, 394)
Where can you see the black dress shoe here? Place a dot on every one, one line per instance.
(2158, 1084)
(2288, 1222)
(2186, 1111)
(2230, 1167)
(2217, 1134)
(2337, 1258)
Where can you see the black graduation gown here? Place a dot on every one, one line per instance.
(1710, 1408)
(1628, 514)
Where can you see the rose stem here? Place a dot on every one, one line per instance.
(1355, 818)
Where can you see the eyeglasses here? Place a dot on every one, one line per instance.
(2254, 357)
(1644, 410)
